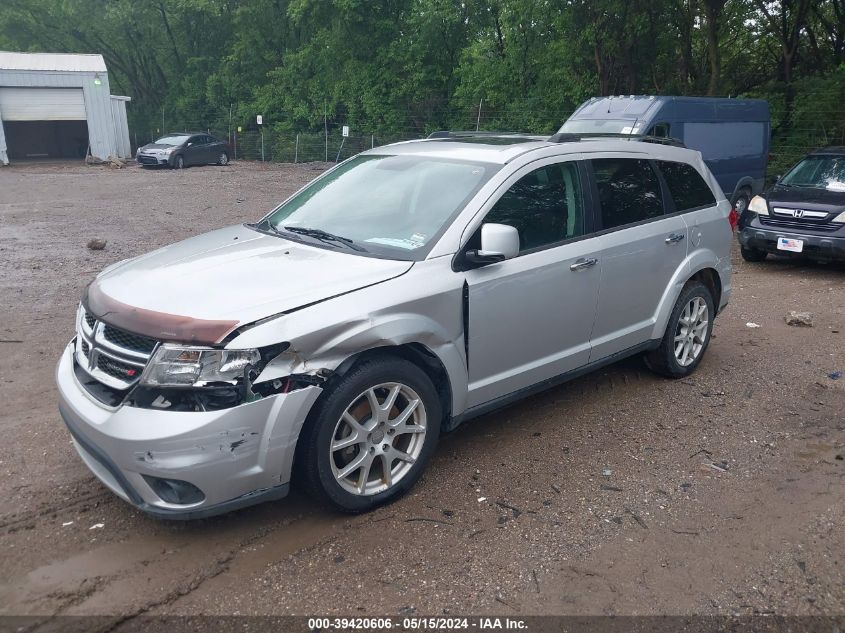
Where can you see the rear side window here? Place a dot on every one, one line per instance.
(687, 187)
(628, 189)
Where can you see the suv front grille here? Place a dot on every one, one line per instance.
(117, 369)
(801, 219)
(800, 225)
(110, 355)
(135, 342)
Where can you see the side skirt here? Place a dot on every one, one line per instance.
(503, 401)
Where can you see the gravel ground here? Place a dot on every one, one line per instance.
(618, 493)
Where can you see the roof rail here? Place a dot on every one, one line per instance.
(566, 137)
(473, 134)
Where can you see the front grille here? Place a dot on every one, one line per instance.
(117, 369)
(147, 160)
(111, 356)
(135, 342)
(801, 225)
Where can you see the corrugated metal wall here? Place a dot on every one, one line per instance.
(4, 159)
(103, 133)
(121, 127)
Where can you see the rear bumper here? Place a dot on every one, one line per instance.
(236, 457)
(824, 247)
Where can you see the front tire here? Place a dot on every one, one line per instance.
(752, 254)
(687, 333)
(223, 159)
(179, 162)
(742, 201)
(370, 436)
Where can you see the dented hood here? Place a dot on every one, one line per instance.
(205, 287)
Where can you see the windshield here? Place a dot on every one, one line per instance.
(599, 126)
(173, 139)
(388, 206)
(821, 172)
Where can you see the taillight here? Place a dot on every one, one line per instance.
(733, 219)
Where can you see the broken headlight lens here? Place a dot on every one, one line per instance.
(176, 366)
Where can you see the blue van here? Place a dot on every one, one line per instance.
(731, 134)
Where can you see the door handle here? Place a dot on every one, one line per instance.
(582, 264)
(674, 238)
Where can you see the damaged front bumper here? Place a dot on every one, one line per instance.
(185, 465)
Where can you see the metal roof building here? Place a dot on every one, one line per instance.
(55, 105)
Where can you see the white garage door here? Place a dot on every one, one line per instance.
(42, 104)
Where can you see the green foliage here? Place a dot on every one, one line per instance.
(402, 68)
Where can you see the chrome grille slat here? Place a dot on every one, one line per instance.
(793, 223)
(128, 341)
(110, 355)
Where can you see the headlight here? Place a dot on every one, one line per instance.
(177, 366)
(758, 205)
(840, 218)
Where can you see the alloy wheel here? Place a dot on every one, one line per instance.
(691, 332)
(378, 438)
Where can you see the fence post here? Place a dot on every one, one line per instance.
(296, 150)
(262, 144)
(372, 141)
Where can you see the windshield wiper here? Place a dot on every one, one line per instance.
(324, 236)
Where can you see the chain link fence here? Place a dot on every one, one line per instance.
(788, 144)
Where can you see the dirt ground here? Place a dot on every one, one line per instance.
(618, 493)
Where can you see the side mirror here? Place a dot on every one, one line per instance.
(777, 178)
(498, 243)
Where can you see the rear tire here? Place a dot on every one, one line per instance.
(354, 453)
(223, 159)
(752, 254)
(687, 333)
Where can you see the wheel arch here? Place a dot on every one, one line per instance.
(421, 356)
(744, 183)
(699, 267)
(710, 278)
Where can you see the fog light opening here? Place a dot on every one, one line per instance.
(174, 490)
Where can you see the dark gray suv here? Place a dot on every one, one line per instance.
(803, 214)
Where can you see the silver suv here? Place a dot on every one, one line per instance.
(408, 289)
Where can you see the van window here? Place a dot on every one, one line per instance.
(628, 189)
(545, 206)
(659, 129)
(686, 186)
(719, 141)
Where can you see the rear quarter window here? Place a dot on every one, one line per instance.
(686, 186)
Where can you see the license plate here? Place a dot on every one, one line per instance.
(788, 244)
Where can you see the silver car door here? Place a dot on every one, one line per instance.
(642, 248)
(530, 317)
